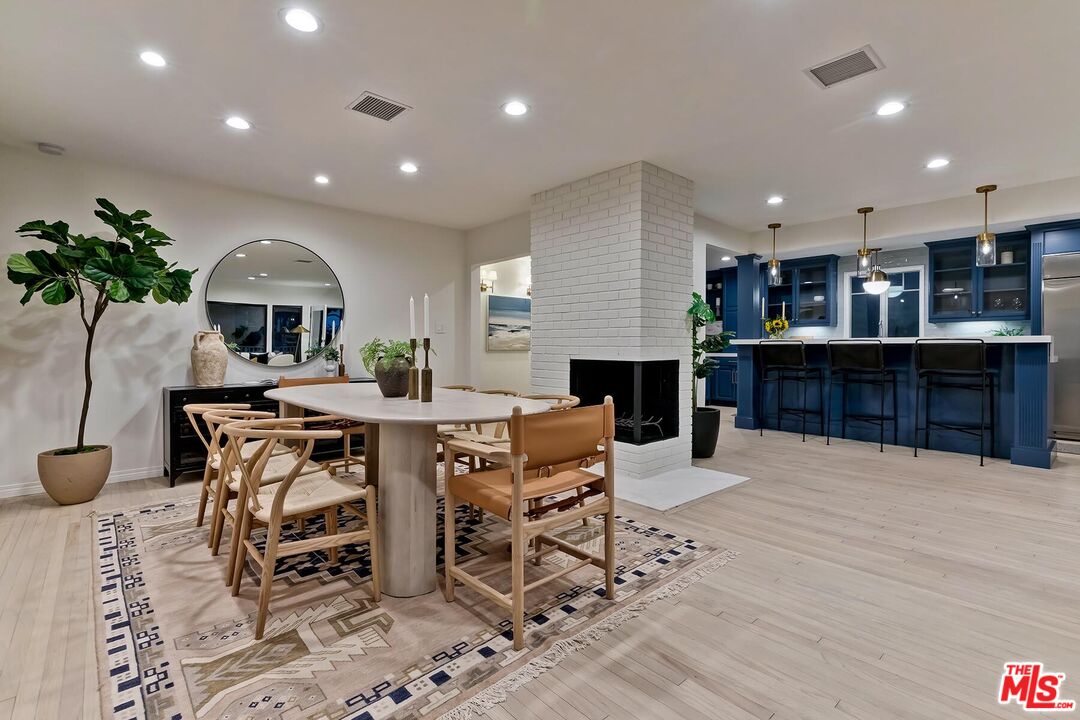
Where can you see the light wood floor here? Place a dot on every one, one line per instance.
(869, 586)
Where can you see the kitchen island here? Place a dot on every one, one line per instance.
(1022, 400)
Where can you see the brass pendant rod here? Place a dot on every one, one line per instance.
(773, 227)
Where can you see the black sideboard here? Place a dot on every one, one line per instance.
(184, 452)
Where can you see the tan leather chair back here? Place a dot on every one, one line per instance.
(555, 439)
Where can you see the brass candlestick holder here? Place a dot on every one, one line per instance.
(425, 374)
(414, 372)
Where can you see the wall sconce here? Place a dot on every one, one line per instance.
(487, 280)
(528, 285)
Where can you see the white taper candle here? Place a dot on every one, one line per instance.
(427, 316)
(412, 318)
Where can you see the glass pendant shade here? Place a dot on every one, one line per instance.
(774, 272)
(862, 267)
(986, 249)
(986, 241)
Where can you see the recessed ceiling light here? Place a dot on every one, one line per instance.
(327, 284)
(240, 255)
(251, 277)
(775, 200)
(891, 108)
(265, 242)
(322, 179)
(515, 108)
(937, 163)
(408, 167)
(301, 20)
(264, 275)
(152, 58)
(237, 123)
(725, 258)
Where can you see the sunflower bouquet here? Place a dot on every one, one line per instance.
(777, 327)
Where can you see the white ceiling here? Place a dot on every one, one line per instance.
(711, 89)
(285, 264)
(714, 257)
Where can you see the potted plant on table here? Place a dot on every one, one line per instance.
(706, 420)
(98, 273)
(389, 361)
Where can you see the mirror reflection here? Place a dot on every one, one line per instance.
(277, 303)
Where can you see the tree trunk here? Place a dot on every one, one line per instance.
(89, 384)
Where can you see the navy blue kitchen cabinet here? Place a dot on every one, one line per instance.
(722, 383)
(961, 291)
(807, 288)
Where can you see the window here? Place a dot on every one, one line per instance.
(894, 313)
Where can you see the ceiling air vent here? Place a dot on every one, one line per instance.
(852, 65)
(371, 104)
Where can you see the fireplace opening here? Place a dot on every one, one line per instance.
(645, 393)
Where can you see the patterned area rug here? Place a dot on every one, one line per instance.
(174, 644)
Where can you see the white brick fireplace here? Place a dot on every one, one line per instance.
(612, 273)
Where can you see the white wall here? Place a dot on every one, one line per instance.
(489, 369)
(612, 272)
(501, 240)
(140, 348)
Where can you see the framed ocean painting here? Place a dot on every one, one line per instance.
(509, 323)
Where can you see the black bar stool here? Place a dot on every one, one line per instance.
(958, 364)
(861, 362)
(785, 361)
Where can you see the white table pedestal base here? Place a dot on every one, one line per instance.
(407, 508)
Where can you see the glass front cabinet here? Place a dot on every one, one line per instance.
(960, 291)
(806, 293)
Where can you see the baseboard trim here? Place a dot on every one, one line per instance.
(116, 476)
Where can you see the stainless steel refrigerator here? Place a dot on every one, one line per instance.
(1061, 320)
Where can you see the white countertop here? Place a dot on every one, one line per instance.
(988, 339)
(364, 401)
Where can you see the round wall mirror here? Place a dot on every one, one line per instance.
(277, 303)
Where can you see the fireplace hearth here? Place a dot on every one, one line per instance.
(645, 393)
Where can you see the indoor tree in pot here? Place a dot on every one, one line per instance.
(389, 362)
(706, 420)
(98, 273)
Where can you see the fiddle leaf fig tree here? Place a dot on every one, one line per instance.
(700, 314)
(97, 273)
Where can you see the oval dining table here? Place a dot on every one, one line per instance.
(400, 438)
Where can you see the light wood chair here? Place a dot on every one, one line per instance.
(195, 412)
(348, 428)
(558, 402)
(297, 495)
(548, 458)
(227, 480)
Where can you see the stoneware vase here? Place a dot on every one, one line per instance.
(393, 379)
(73, 479)
(209, 358)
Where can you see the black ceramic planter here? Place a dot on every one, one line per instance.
(706, 430)
(393, 380)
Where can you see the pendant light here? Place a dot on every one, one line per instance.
(986, 241)
(876, 280)
(862, 264)
(774, 264)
